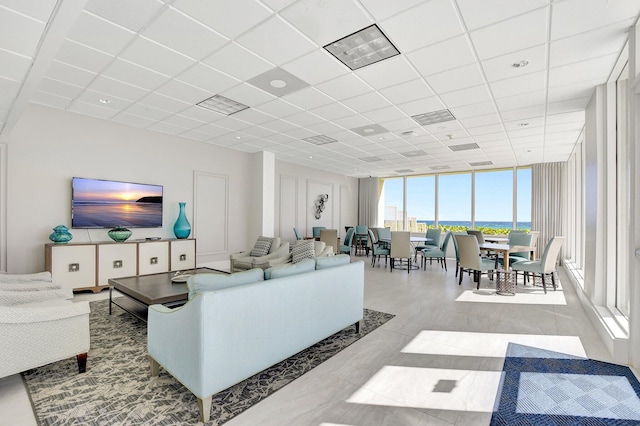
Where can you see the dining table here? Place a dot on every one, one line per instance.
(505, 249)
(496, 239)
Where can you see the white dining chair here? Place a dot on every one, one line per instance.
(400, 248)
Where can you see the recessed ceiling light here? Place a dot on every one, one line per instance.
(369, 130)
(311, 156)
(222, 105)
(523, 124)
(362, 48)
(319, 140)
(238, 137)
(408, 133)
(104, 101)
(381, 138)
(439, 167)
(433, 117)
(416, 153)
(522, 63)
(278, 84)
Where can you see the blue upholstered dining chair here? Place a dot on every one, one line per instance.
(439, 254)
(298, 236)
(348, 241)
(518, 239)
(546, 265)
(434, 234)
(361, 235)
(377, 249)
(316, 231)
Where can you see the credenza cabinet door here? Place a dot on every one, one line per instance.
(153, 257)
(116, 260)
(183, 254)
(72, 266)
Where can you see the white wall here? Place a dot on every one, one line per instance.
(296, 190)
(48, 147)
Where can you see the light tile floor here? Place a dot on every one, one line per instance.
(437, 362)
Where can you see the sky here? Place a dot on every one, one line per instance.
(494, 196)
(104, 190)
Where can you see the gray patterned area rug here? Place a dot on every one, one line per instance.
(117, 388)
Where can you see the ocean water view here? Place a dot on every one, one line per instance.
(478, 224)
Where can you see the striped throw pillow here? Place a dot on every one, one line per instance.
(262, 246)
(303, 250)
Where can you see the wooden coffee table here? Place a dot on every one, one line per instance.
(143, 290)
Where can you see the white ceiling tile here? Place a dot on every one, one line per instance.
(183, 34)
(597, 69)
(518, 85)
(230, 18)
(100, 34)
(525, 100)
(213, 130)
(384, 114)
(148, 111)
(324, 128)
(480, 13)
(133, 74)
(422, 106)
(168, 128)
(117, 88)
(471, 95)
(484, 130)
(201, 114)
(456, 79)
(279, 108)
(344, 87)
(304, 119)
(576, 16)
(325, 22)
(601, 42)
(382, 9)
(423, 25)
(130, 14)
(308, 98)
(367, 102)
(252, 116)
(473, 110)
(82, 56)
(572, 91)
(332, 111)
(163, 103)
(237, 61)
(92, 110)
(50, 100)
(207, 79)
(9, 90)
(149, 54)
(92, 97)
(501, 67)
(268, 39)
(406, 92)
(248, 95)
(184, 121)
(70, 74)
(316, 67)
(14, 66)
(519, 114)
(511, 35)
(197, 136)
(59, 88)
(352, 121)
(183, 92)
(37, 9)
(24, 32)
(570, 105)
(570, 117)
(439, 57)
(387, 73)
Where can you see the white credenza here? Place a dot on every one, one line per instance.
(89, 266)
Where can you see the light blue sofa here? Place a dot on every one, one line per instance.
(221, 337)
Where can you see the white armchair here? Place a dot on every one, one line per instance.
(244, 260)
(40, 324)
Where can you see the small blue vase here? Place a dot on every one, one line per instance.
(60, 235)
(182, 228)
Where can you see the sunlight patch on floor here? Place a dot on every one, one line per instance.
(431, 388)
(524, 296)
(464, 343)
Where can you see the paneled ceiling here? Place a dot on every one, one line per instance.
(147, 63)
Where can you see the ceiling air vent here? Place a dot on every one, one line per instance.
(222, 105)
(319, 140)
(434, 117)
(464, 147)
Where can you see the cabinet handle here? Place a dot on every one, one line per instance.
(153, 261)
(117, 264)
(74, 267)
(183, 257)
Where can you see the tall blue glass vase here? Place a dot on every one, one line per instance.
(182, 228)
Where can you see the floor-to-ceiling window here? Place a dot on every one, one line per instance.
(414, 203)
(421, 208)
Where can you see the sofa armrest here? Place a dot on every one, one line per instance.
(43, 312)
(282, 251)
(240, 254)
(274, 262)
(13, 298)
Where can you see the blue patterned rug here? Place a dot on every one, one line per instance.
(117, 388)
(541, 387)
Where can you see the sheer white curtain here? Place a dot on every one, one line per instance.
(548, 202)
(368, 195)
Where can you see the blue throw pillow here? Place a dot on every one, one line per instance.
(332, 261)
(200, 283)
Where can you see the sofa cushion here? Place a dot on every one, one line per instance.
(207, 282)
(25, 278)
(332, 261)
(303, 250)
(261, 247)
(305, 265)
(12, 298)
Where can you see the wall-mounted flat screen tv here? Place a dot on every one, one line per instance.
(106, 204)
